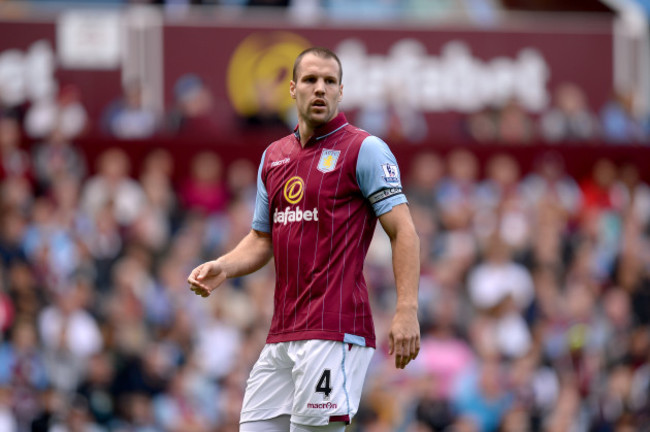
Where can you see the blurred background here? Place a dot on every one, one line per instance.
(130, 135)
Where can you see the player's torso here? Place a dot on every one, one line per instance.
(321, 226)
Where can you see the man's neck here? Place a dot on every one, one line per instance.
(306, 132)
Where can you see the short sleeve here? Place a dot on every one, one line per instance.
(378, 176)
(261, 220)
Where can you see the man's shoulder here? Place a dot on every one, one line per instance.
(353, 136)
(280, 143)
(357, 131)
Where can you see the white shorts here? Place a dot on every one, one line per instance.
(314, 381)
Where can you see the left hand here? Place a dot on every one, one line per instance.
(404, 338)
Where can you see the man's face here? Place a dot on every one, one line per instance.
(317, 89)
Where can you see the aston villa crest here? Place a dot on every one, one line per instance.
(328, 159)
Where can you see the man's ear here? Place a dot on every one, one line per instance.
(292, 89)
(341, 93)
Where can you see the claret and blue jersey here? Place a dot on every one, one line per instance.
(320, 203)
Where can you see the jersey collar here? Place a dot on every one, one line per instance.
(327, 129)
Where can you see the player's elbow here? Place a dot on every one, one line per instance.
(413, 237)
(406, 234)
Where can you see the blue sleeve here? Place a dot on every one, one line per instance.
(261, 216)
(378, 176)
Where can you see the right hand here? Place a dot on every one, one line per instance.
(206, 278)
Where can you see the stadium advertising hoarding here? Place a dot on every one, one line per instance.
(438, 75)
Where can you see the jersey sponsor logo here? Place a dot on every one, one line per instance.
(289, 215)
(294, 189)
(391, 174)
(280, 162)
(326, 405)
(328, 159)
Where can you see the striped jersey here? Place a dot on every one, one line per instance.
(320, 203)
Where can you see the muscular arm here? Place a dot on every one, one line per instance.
(404, 337)
(251, 254)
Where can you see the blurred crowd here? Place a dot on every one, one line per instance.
(534, 296)
(195, 112)
(568, 119)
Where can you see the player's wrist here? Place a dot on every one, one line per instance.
(407, 308)
(220, 264)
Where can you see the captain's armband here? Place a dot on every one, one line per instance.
(384, 194)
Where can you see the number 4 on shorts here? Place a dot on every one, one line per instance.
(323, 385)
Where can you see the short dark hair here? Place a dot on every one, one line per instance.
(319, 52)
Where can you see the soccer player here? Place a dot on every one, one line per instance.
(320, 191)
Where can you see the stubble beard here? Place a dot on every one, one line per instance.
(316, 120)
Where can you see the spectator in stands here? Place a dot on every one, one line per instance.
(204, 190)
(22, 371)
(51, 409)
(514, 125)
(426, 172)
(22, 358)
(636, 194)
(153, 226)
(50, 246)
(57, 156)
(222, 328)
(194, 112)
(457, 189)
(241, 178)
(124, 304)
(570, 118)
(96, 387)
(502, 290)
(129, 117)
(111, 188)
(481, 395)
(600, 190)
(565, 415)
(67, 325)
(76, 417)
(456, 195)
(138, 413)
(501, 181)
(618, 121)
(66, 114)
(445, 354)
(14, 161)
(500, 199)
(393, 119)
(549, 182)
(481, 126)
(182, 406)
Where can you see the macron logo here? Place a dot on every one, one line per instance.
(328, 405)
(280, 162)
(297, 215)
